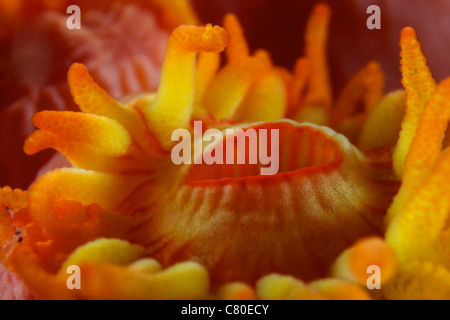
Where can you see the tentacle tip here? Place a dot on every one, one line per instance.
(373, 65)
(38, 118)
(217, 37)
(300, 64)
(29, 147)
(322, 9)
(6, 189)
(230, 17)
(408, 34)
(37, 141)
(77, 71)
(231, 22)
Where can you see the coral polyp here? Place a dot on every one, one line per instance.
(141, 227)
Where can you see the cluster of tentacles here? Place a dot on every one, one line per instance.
(141, 227)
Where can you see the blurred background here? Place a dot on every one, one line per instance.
(279, 25)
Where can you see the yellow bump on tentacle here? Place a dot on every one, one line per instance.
(10, 7)
(173, 104)
(236, 291)
(416, 227)
(279, 287)
(238, 48)
(335, 289)
(207, 65)
(13, 199)
(426, 146)
(265, 101)
(375, 86)
(446, 141)
(383, 123)
(145, 265)
(318, 99)
(86, 186)
(86, 140)
(419, 85)
(366, 85)
(104, 250)
(352, 264)
(264, 62)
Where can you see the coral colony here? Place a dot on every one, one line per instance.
(240, 180)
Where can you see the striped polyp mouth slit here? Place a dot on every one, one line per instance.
(242, 225)
(297, 149)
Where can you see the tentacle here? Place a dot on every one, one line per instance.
(425, 148)
(366, 85)
(173, 105)
(298, 84)
(104, 251)
(318, 99)
(419, 280)
(419, 85)
(278, 287)
(366, 88)
(238, 48)
(265, 101)
(7, 228)
(88, 141)
(417, 225)
(177, 12)
(352, 264)
(383, 123)
(108, 269)
(232, 83)
(182, 281)
(237, 291)
(335, 289)
(427, 143)
(83, 187)
(207, 66)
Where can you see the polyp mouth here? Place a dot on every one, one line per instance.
(264, 151)
(242, 225)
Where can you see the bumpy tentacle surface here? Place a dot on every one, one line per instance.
(169, 111)
(417, 221)
(419, 85)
